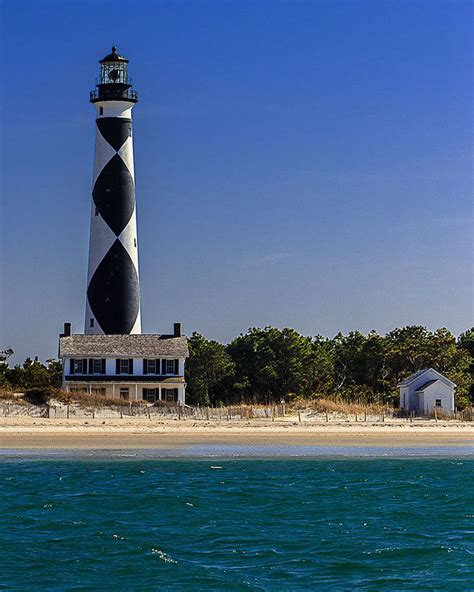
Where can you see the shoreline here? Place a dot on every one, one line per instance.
(140, 433)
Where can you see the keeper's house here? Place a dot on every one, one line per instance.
(135, 367)
(426, 391)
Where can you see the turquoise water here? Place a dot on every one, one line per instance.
(236, 524)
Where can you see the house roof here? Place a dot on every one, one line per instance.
(426, 385)
(412, 377)
(130, 346)
(419, 373)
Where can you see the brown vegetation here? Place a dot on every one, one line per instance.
(321, 405)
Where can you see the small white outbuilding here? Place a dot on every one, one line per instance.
(426, 391)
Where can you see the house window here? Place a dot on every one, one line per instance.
(169, 366)
(151, 366)
(97, 366)
(91, 323)
(151, 394)
(170, 395)
(123, 366)
(78, 367)
(438, 403)
(124, 393)
(101, 391)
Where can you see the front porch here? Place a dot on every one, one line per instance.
(169, 391)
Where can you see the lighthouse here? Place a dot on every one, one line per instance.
(113, 289)
(113, 358)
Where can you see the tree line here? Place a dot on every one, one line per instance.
(32, 374)
(268, 365)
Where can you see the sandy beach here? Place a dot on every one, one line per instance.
(39, 433)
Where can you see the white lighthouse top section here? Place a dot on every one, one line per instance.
(114, 109)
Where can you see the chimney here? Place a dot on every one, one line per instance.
(67, 330)
(177, 330)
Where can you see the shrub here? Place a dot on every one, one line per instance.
(39, 396)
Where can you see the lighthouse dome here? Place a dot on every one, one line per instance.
(113, 57)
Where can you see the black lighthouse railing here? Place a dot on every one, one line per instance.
(113, 94)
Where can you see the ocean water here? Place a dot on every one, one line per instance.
(133, 522)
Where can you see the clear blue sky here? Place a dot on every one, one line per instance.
(301, 164)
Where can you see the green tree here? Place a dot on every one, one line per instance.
(322, 366)
(272, 363)
(33, 375)
(209, 369)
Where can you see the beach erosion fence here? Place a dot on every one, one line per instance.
(187, 412)
(71, 411)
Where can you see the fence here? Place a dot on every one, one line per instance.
(239, 412)
(134, 410)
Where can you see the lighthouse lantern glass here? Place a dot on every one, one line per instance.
(113, 73)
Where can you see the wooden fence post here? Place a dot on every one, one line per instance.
(67, 411)
(299, 416)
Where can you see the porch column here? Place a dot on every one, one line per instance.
(136, 391)
(159, 392)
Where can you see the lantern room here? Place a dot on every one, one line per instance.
(113, 83)
(113, 69)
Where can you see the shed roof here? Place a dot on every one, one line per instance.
(412, 377)
(426, 385)
(419, 373)
(116, 346)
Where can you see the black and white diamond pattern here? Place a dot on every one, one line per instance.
(113, 293)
